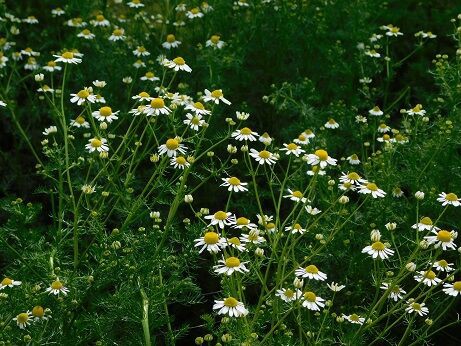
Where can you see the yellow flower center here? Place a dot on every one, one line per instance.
(399, 138)
(220, 215)
(321, 154)
(312, 269)
(38, 311)
(195, 10)
(141, 49)
(231, 302)
(211, 238)
(181, 160)
(444, 236)
(56, 285)
(395, 289)
(417, 108)
(86, 32)
(298, 227)
(376, 109)
(242, 221)
(80, 120)
(217, 94)
(378, 246)
(395, 29)
(302, 138)
(331, 121)
(172, 144)
(292, 146)
(232, 262)
(96, 143)
(246, 131)
(270, 225)
(22, 317)
(215, 39)
(386, 137)
(67, 55)
(457, 286)
(195, 120)
(51, 63)
(234, 241)
(6, 282)
(297, 194)
(354, 157)
(383, 125)
(354, 317)
(310, 296)
(289, 293)
(199, 105)
(143, 94)
(443, 263)
(353, 176)
(426, 221)
(150, 74)
(416, 306)
(170, 38)
(264, 154)
(157, 103)
(451, 197)
(100, 18)
(83, 94)
(430, 275)
(105, 111)
(118, 32)
(372, 187)
(179, 61)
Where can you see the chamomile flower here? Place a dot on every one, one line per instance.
(263, 157)
(320, 157)
(353, 159)
(68, 58)
(135, 4)
(142, 96)
(383, 128)
(244, 134)
(97, 144)
(194, 13)
(443, 238)
(252, 237)
(335, 287)
(265, 139)
(31, 64)
(172, 147)
(452, 289)
(312, 301)
(23, 319)
(100, 21)
(372, 53)
(292, 149)
(425, 224)
(295, 229)
(443, 266)
(352, 178)
(117, 35)
(302, 139)
(84, 95)
(244, 223)
(195, 122)
(312, 210)
(141, 51)
(385, 139)
(105, 114)
(80, 122)
(211, 241)
(29, 52)
(417, 110)
(178, 64)
(395, 292)
(393, 31)
(288, 295)
(197, 108)
(56, 288)
(231, 307)
(230, 265)
(215, 96)
(417, 308)
(215, 42)
(234, 184)
(331, 124)
(428, 277)
(86, 34)
(235, 243)
(378, 249)
(354, 318)
(7, 282)
(157, 107)
(51, 66)
(150, 76)
(449, 199)
(311, 272)
(50, 130)
(171, 42)
(179, 162)
(315, 170)
(296, 196)
(2, 104)
(376, 111)
(221, 219)
(57, 11)
(76, 23)
(371, 188)
(40, 314)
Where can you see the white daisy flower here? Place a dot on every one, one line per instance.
(354, 318)
(376, 111)
(312, 210)
(385, 139)
(221, 219)
(211, 241)
(234, 184)
(252, 237)
(172, 147)
(100, 21)
(50, 130)
(452, 289)
(425, 224)
(171, 42)
(40, 314)
(442, 265)
(263, 156)
(56, 288)
(312, 301)
(80, 122)
(84, 95)
(302, 139)
(7, 282)
(197, 108)
(378, 249)
(117, 35)
(244, 223)
(235, 243)
(288, 295)
(416, 110)
(353, 159)
(383, 128)
(393, 31)
(68, 58)
(135, 4)
(372, 53)
(150, 76)
(296, 196)
(29, 52)
(311, 272)
(179, 162)
(86, 34)
(443, 238)
(215, 96)
(296, 228)
(331, 124)
(265, 139)
(157, 107)
(141, 51)
(142, 96)
(215, 42)
(417, 308)
(395, 292)
(2, 104)
(244, 134)
(429, 278)
(23, 319)
(320, 157)
(105, 114)
(449, 199)
(352, 178)
(57, 11)
(97, 144)
(51, 66)
(178, 64)
(76, 23)
(195, 122)
(335, 287)
(371, 188)
(230, 306)
(194, 13)
(230, 265)
(315, 170)
(292, 148)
